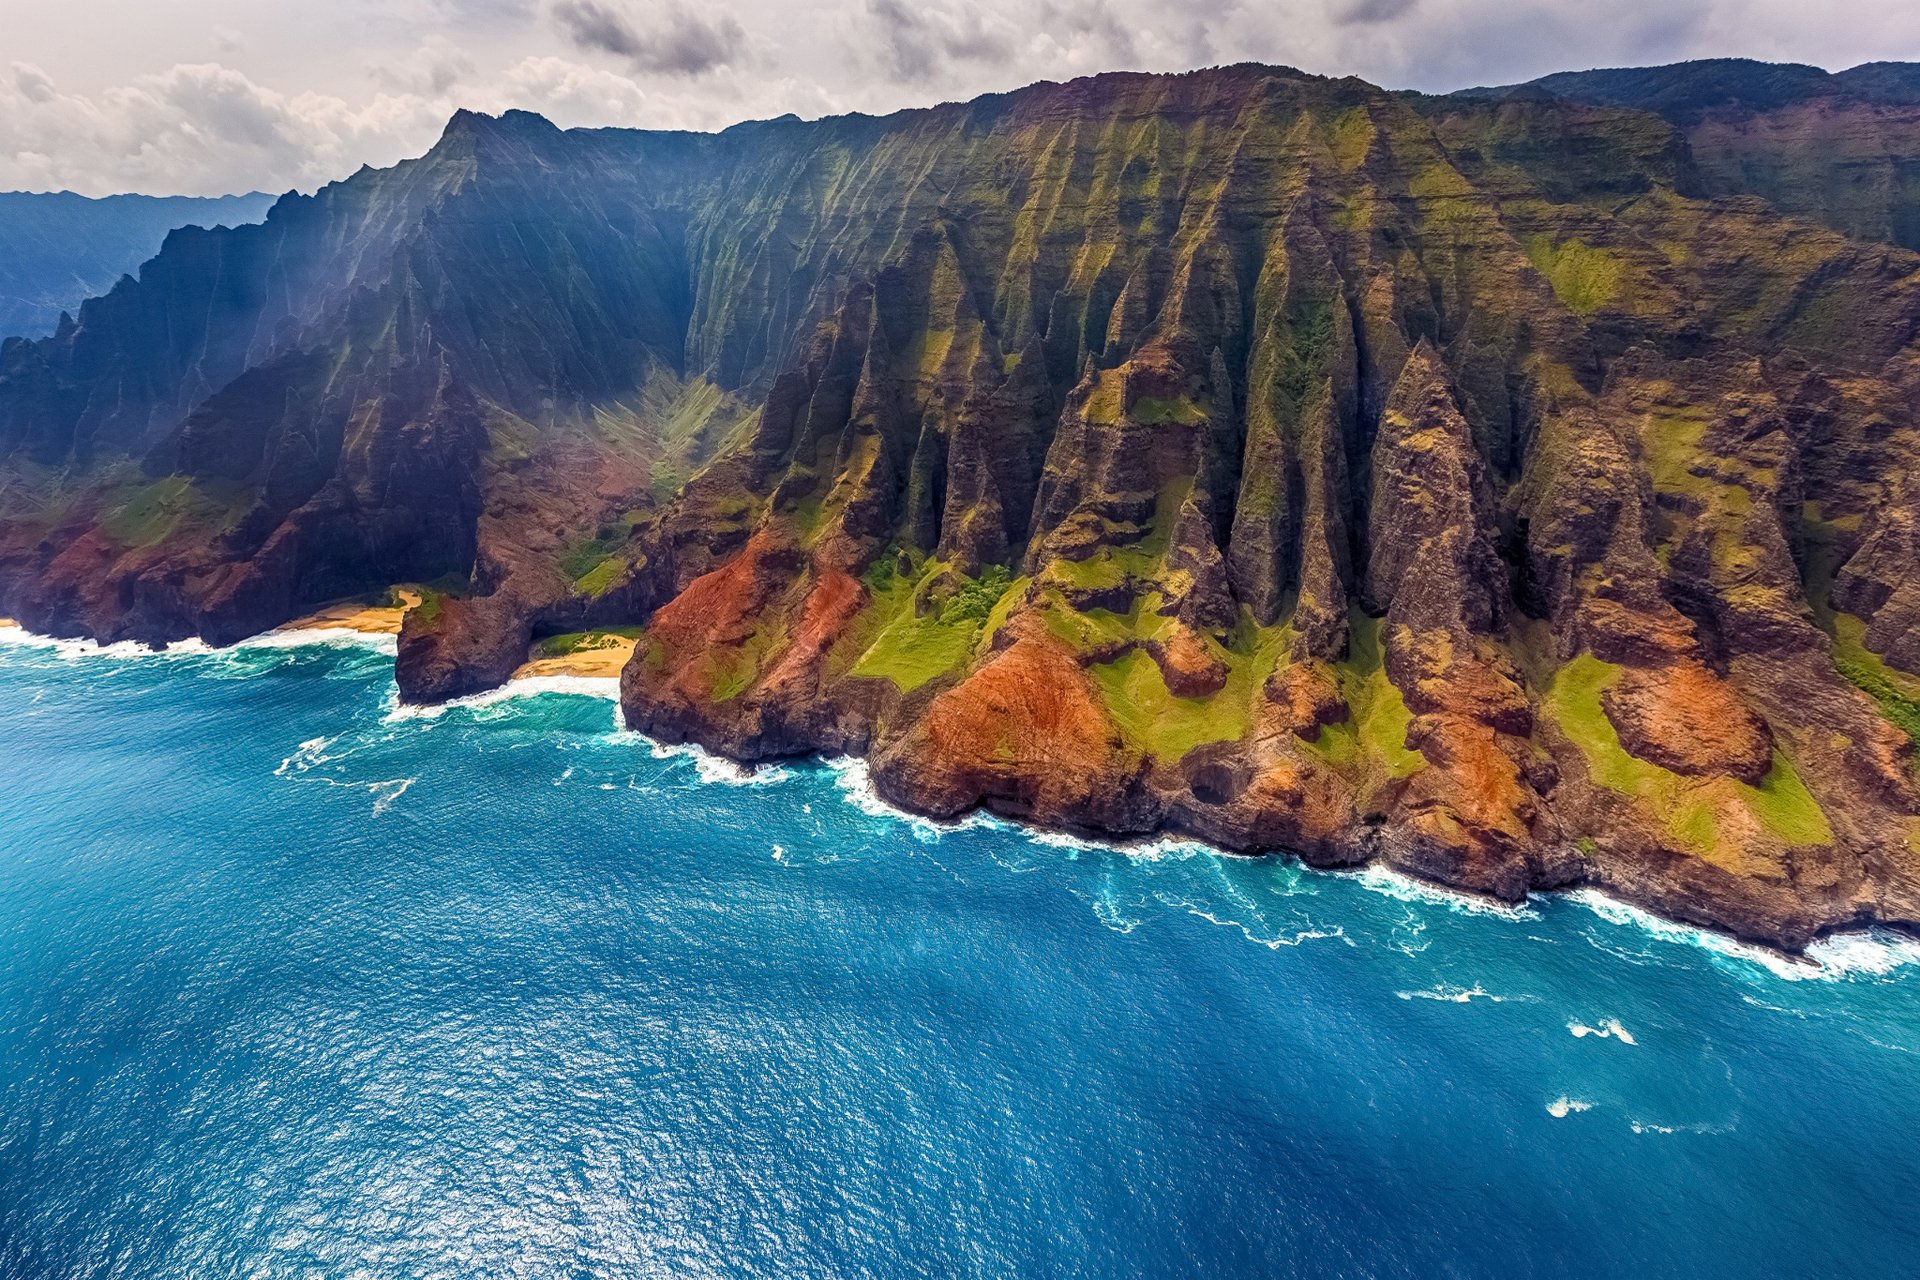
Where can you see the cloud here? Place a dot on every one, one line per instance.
(1368, 12)
(675, 42)
(1099, 27)
(206, 129)
(343, 84)
(918, 40)
(31, 83)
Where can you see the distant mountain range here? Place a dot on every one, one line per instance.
(1842, 148)
(59, 249)
(1517, 488)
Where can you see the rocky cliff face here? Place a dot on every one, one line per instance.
(1448, 482)
(62, 248)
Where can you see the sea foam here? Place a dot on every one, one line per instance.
(606, 687)
(1871, 953)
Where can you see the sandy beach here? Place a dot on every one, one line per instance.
(378, 620)
(603, 655)
(600, 655)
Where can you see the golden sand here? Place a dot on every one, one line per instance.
(605, 657)
(378, 620)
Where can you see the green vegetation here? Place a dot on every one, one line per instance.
(1149, 715)
(1303, 360)
(1091, 629)
(1152, 718)
(911, 650)
(732, 670)
(976, 597)
(603, 577)
(1153, 411)
(595, 566)
(1896, 692)
(1349, 135)
(429, 608)
(571, 642)
(581, 558)
(1583, 277)
(1375, 732)
(1692, 807)
(153, 511)
(1105, 404)
(918, 646)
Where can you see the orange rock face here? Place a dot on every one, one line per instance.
(1025, 733)
(1305, 697)
(1685, 718)
(1185, 664)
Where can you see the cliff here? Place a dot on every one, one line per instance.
(1454, 483)
(62, 248)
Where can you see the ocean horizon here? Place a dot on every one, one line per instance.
(298, 980)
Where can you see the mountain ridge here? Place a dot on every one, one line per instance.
(1461, 484)
(63, 248)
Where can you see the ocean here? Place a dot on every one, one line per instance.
(294, 982)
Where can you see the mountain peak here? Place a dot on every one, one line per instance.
(465, 123)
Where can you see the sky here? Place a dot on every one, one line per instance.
(201, 97)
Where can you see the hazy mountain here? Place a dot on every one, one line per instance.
(60, 248)
(1841, 148)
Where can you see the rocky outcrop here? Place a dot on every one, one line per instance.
(1276, 460)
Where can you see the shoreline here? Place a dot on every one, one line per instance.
(594, 672)
(598, 655)
(351, 615)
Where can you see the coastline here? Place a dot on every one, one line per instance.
(349, 615)
(593, 671)
(593, 656)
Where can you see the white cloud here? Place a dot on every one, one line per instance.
(309, 94)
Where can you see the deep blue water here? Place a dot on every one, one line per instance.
(293, 986)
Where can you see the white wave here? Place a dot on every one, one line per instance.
(1609, 1029)
(1275, 941)
(853, 778)
(1405, 888)
(308, 754)
(1563, 1106)
(73, 649)
(1649, 1126)
(1450, 994)
(1872, 953)
(607, 687)
(303, 637)
(1157, 849)
(385, 793)
(710, 767)
(194, 646)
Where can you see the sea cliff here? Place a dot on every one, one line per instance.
(1474, 485)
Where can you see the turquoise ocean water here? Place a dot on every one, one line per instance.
(294, 984)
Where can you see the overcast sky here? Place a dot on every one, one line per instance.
(206, 96)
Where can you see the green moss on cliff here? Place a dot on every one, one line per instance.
(152, 511)
(1583, 277)
(914, 646)
(1692, 807)
(1349, 134)
(1374, 735)
(428, 611)
(1153, 411)
(1153, 719)
(572, 642)
(1896, 692)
